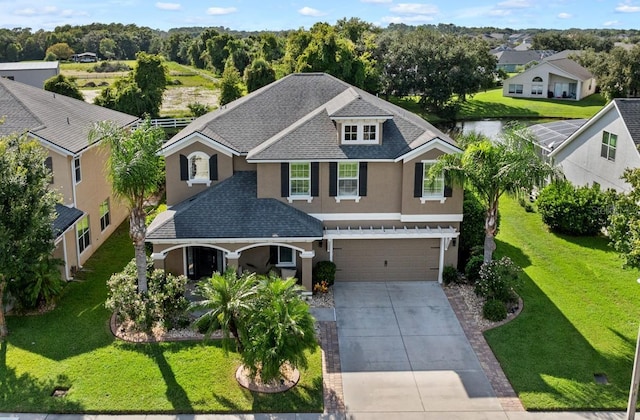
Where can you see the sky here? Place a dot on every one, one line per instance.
(256, 15)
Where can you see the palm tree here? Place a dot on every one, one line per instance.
(228, 299)
(280, 329)
(136, 170)
(511, 164)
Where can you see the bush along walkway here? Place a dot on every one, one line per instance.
(501, 385)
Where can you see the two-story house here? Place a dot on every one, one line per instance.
(87, 213)
(307, 169)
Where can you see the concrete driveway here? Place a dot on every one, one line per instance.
(402, 350)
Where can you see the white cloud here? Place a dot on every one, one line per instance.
(626, 7)
(49, 11)
(611, 23)
(30, 11)
(499, 12)
(376, 1)
(408, 19)
(310, 11)
(515, 4)
(221, 10)
(168, 6)
(415, 9)
(565, 15)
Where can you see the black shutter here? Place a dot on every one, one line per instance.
(284, 179)
(213, 168)
(448, 191)
(184, 168)
(417, 185)
(362, 181)
(315, 179)
(333, 179)
(48, 163)
(273, 254)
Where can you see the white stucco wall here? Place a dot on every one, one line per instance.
(581, 161)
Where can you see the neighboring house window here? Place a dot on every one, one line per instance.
(105, 215)
(359, 133)
(348, 179)
(536, 86)
(84, 234)
(48, 164)
(286, 257)
(198, 166)
(77, 170)
(300, 179)
(350, 133)
(432, 187)
(514, 88)
(609, 142)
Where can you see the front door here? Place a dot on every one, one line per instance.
(203, 262)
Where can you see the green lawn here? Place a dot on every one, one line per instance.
(580, 318)
(73, 347)
(491, 104)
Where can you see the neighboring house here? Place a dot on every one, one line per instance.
(85, 57)
(33, 73)
(601, 149)
(303, 170)
(560, 78)
(88, 213)
(551, 135)
(511, 60)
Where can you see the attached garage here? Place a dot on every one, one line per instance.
(386, 259)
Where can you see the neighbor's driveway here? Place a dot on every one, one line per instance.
(402, 350)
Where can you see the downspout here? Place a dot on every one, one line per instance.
(441, 260)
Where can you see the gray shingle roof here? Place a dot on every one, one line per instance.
(65, 218)
(630, 113)
(231, 209)
(571, 67)
(304, 102)
(56, 118)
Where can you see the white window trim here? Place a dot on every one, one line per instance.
(196, 181)
(424, 198)
(76, 169)
(300, 197)
(78, 236)
(286, 263)
(108, 213)
(356, 197)
(609, 147)
(360, 131)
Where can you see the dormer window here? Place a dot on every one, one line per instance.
(199, 168)
(360, 133)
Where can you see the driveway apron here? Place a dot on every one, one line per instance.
(402, 350)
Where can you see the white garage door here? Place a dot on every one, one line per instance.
(386, 259)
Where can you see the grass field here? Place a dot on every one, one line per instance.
(580, 318)
(72, 347)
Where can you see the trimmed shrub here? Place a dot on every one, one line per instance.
(471, 229)
(472, 269)
(579, 211)
(494, 310)
(197, 109)
(498, 279)
(324, 271)
(450, 275)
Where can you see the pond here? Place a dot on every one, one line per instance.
(489, 127)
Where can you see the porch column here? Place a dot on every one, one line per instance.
(232, 259)
(307, 267)
(441, 259)
(158, 260)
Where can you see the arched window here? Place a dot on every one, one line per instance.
(537, 79)
(198, 166)
(536, 86)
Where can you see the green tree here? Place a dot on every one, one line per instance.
(258, 74)
(107, 48)
(624, 222)
(27, 211)
(230, 84)
(280, 329)
(135, 170)
(64, 86)
(491, 168)
(227, 301)
(60, 50)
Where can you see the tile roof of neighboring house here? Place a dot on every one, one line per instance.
(54, 118)
(291, 119)
(30, 65)
(571, 67)
(230, 209)
(630, 112)
(65, 218)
